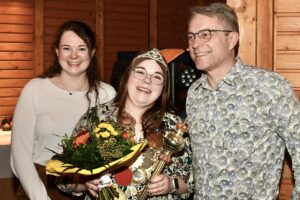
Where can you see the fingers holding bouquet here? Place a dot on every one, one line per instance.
(92, 187)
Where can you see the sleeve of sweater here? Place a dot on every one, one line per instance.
(23, 134)
(107, 93)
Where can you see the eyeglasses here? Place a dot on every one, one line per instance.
(203, 35)
(141, 74)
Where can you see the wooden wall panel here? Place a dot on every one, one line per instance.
(289, 6)
(246, 12)
(12, 74)
(67, 5)
(9, 55)
(39, 37)
(8, 101)
(126, 28)
(11, 83)
(16, 7)
(288, 22)
(9, 92)
(16, 28)
(290, 41)
(287, 40)
(16, 47)
(264, 32)
(153, 14)
(16, 51)
(8, 18)
(13, 64)
(172, 23)
(7, 110)
(287, 60)
(293, 77)
(20, 37)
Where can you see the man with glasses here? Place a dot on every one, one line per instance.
(241, 118)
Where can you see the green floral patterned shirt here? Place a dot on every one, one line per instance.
(239, 133)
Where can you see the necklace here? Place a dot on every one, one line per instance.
(66, 87)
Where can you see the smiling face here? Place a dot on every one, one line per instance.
(143, 93)
(218, 51)
(73, 54)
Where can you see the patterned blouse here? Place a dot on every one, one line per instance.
(239, 133)
(181, 164)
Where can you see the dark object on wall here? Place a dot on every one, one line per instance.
(183, 74)
(182, 70)
(6, 124)
(123, 60)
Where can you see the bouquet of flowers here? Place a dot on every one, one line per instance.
(96, 149)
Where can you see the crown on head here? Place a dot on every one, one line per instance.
(153, 54)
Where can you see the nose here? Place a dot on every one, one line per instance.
(196, 43)
(147, 79)
(74, 54)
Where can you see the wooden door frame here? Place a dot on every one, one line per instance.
(38, 37)
(100, 52)
(256, 19)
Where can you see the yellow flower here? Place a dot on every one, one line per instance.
(96, 130)
(110, 128)
(114, 133)
(105, 134)
(103, 125)
(97, 135)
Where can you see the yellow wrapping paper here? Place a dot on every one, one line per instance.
(58, 168)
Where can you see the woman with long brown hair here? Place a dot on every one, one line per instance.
(50, 106)
(142, 106)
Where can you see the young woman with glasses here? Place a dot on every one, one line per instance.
(142, 106)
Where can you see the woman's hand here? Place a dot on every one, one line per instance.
(92, 187)
(160, 185)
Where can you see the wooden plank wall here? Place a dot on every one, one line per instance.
(172, 23)
(287, 62)
(16, 51)
(287, 40)
(126, 28)
(134, 33)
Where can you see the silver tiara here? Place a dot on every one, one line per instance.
(153, 54)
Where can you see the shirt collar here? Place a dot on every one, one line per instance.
(228, 79)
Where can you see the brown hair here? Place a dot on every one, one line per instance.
(152, 118)
(87, 35)
(223, 12)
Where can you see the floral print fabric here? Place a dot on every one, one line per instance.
(239, 133)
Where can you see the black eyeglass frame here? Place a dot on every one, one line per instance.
(190, 37)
